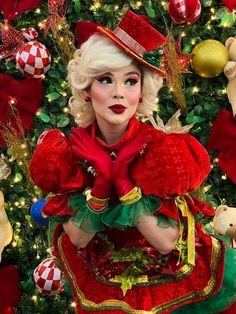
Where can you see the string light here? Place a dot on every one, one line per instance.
(224, 177)
(66, 109)
(34, 298)
(73, 304)
(196, 89)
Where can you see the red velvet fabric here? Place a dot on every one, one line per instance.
(175, 164)
(27, 95)
(222, 138)
(10, 291)
(12, 8)
(92, 296)
(230, 4)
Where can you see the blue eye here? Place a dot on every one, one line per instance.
(131, 82)
(104, 80)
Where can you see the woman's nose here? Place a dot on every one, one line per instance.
(118, 92)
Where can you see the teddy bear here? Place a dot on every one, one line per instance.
(5, 226)
(230, 72)
(224, 222)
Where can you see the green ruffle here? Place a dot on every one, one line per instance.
(84, 218)
(122, 216)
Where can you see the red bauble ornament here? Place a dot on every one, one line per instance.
(184, 11)
(47, 277)
(33, 59)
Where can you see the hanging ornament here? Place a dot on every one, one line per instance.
(230, 4)
(184, 11)
(12, 8)
(209, 58)
(33, 59)
(37, 214)
(48, 277)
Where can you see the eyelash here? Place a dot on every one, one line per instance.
(108, 80)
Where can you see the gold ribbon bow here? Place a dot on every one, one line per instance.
(181, 203)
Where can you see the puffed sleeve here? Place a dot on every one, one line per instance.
(53, 166)
(175, 164)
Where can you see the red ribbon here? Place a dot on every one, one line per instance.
(12, 8)
(57, 9)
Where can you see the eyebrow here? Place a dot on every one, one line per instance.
(126, 74)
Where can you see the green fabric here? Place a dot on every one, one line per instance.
(225, 297)
(84, 218)
(122, 216)
(165, 222)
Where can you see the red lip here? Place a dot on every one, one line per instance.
(118, 109)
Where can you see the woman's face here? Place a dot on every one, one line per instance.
(115, 95)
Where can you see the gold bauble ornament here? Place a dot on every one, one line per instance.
(209, 58)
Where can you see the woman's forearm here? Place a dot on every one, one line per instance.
(162, 239)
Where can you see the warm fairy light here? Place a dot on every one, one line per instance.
(20, 163)
(139, 3)
(224, 91)
(216, 160)
(38, 11)
(193, 41)
(14, 244)
(38, 256)
(212, 10)
(163, 3)
(66, 109)
(25, 154)
(196, 89)
(116, 7)
(22, 203)
(49, 250)
(224, 177)
(61, 39)
(183, 34)
(40, 25)
(34, 199)
(38, 112)
(16, 203)
(23, 146)
(35, 246)
(73, 304)
(213, 17)
(64, 94)
(34, 298)
(212, 167)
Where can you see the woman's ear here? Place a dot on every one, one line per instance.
(86, 95)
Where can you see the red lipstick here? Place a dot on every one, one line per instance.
(118, 109)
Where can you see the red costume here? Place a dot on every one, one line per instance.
(171, 166)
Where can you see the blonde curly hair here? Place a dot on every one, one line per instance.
(99, 55)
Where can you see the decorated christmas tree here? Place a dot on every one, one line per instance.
(34, 97)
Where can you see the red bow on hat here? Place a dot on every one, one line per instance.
(230, 4)
(12, 8)
(18, 98)
(222, 138)
(10, 291)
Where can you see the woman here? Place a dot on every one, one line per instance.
(128, 235)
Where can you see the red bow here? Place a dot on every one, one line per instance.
(18, 97)
(222, 138)
(12, 8)
(230, 4)
(57, 9)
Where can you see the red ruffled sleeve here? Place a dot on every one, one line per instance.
(54, 169)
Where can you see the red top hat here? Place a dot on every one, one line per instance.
(133, 34)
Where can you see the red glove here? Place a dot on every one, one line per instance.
(120, 171)
(84, 147)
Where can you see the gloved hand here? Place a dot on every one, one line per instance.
(85, 148)
(120, 170)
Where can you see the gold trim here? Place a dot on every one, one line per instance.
(121, 305)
